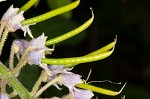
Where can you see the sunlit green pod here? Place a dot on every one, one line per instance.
(71, 33)
(28, 5)
(100, 90)
(51, 14)
(101, 50)
(77, 60)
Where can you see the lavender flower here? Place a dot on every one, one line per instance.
(4, 96)
(12, 20)
(37, 50)
(56, 70)
(69, 79)
(82, 94)
(20, 46)
(78, 94)
(9, 13)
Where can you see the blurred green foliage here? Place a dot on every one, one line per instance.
(128, 19)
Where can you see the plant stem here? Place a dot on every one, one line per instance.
(21, 62)
(11, 58)
(1, 29)
(13, 94)
(38, 83)
(58, 78)
(3, 39)
(17, 86)
(3, 85)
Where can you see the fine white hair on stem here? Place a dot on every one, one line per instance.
(105, 81)
(88, 75)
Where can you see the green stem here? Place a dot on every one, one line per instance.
(71, 33)
(58, 78)
(13, 94)
(77, 60)
(3, 39)
(17, 86)
(38, 83)
(28, 5)
(51, 14)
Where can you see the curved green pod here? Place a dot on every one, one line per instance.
(51, 14)
(100, 90)
(28, 5)
(77, 60)
(71, 33)
(101, 50)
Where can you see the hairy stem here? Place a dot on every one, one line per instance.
(58, 78)
(3, 85)
(3, 39)
(13, 81)
(38, 83)
(1, 29)
(21, 62)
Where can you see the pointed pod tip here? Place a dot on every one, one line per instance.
(115, 40)
(92, 12)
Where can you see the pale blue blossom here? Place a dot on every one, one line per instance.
(82, 94)
(12, 20)
(4, 96)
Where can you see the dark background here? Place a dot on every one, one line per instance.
(128, 19)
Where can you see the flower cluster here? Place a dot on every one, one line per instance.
(56, 72)
(12, 20)
(70, 80)
(37, 50)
